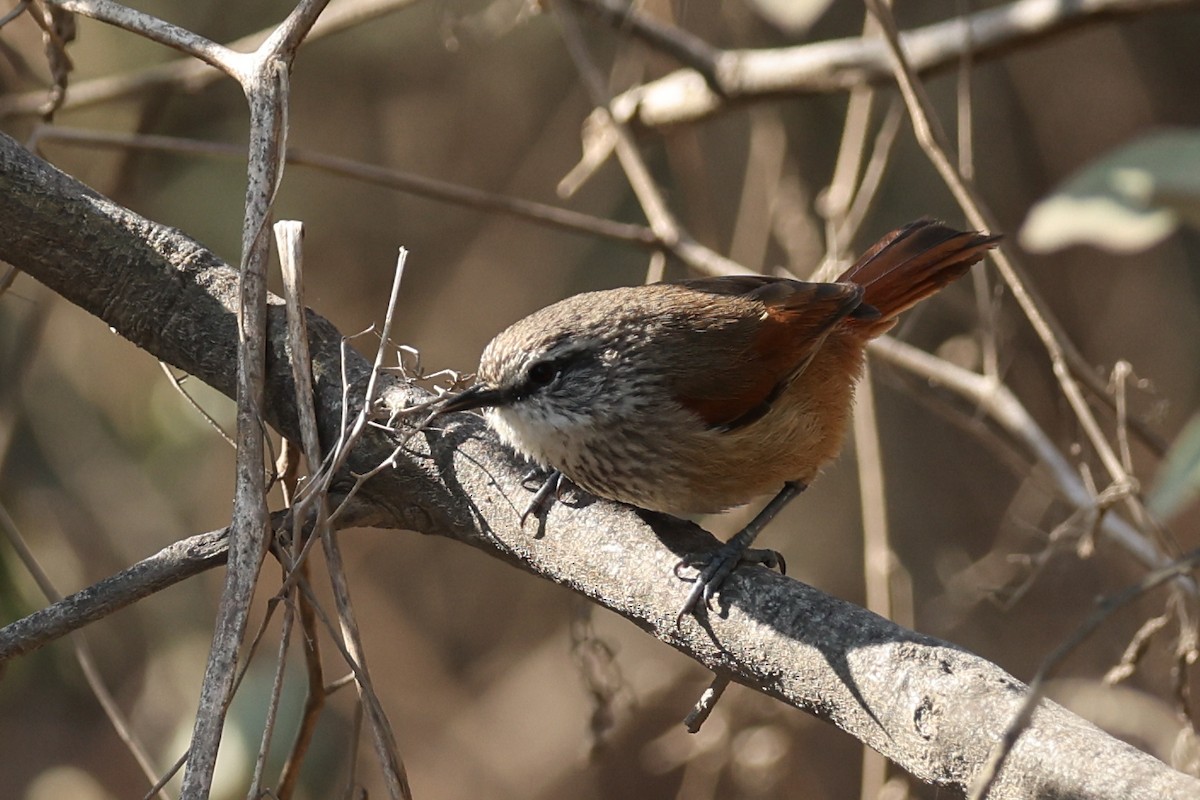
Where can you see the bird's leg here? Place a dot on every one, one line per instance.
(716, 566)
(554, 484)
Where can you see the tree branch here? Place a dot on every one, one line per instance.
(841, 64)
(931, 707)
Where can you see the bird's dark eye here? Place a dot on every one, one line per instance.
(542, 373)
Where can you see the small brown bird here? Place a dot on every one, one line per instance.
(700, 395)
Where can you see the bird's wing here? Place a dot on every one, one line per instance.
(736, 376)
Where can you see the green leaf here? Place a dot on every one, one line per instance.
(1129, 200)
(1178, 481)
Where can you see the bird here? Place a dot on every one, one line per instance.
(700, 395)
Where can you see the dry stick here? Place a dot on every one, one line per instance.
(187, 73)
(265, 83)
(932, 141)
(706, 703)
(662, 222)
(840, 197)
(289, 247)
(985, 306)
(986, 777)
(352, 756)
(367, 697)
(417, 185)
(263, 79)
(152, 28)
(349, 434)
(757, 206)
(288, 236)
(996, 400)
(177, 384)
(175, 563)
(243, 670)
(1138, 645)
(83, 652)
(264, 747)
(17, 11)
(872, 177)
(248, 539)
(689, 50)
(838, 65)
(167, 776)
(835, 201)
(877, 548)
(382, 736)
(288, 468)
(314, 698)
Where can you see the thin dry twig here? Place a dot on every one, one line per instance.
(188, 73)
(263, 78)
(177, 385)
(382, 735)
(1136, 649)
(661, 220)
(268, 732)
(996, 400)
(933, 141)
(689, 50)
(16, 11)
(987, 775)
(83, 653)
(842, 64)
(174, 563)
(288, 237)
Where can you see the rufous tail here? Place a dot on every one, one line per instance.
(908, 265)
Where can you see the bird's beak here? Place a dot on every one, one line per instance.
(478, 396)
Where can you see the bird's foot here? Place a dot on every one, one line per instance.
(553, 486)
(715, 566)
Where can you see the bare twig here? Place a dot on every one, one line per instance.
(1137, 647)
(177, 384)
(264, 79)
(689, 50)
(16, 11)
(83, 653)
(706, 703)
(382, 735)
(843, 64)
(264, 747)
(288, 237)
(156, 30)
(932, 139)
(996, 400)
(661, 220)
(174, 563)
(987, 776)
(189, 73)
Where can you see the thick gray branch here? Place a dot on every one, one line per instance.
(931, 707)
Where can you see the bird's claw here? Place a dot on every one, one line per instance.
(715, 566)
(553, 486)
